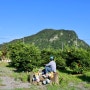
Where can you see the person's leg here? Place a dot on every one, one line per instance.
(48, 69)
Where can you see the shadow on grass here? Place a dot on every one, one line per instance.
(84, 78)
(13, 68)
(65, 71)
(81, 76)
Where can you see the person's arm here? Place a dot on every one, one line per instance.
(49, 64)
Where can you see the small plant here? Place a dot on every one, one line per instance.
(76, 68)
(23, 77)
(1, 83)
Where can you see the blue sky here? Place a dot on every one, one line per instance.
(21, 18)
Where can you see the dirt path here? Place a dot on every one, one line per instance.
(7, 82)
(10, 83)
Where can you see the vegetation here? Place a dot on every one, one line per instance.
(72, 60)
(26, 57)
(57, 39)
(66, 80)
(69, 61)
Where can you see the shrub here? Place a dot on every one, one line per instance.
(45, 55)
(77, 59)
(24, 57)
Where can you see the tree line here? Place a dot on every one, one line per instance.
(26, 57)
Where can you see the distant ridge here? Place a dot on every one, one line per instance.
(54, 39)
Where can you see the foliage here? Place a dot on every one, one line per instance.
(56, 39)
(61, 62)
(45, 55)
(22, 77)
(0, 54)
(24, 57)
(67, 81)
(77, 59)
(4, 52)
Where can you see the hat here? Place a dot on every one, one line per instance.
(51, 58)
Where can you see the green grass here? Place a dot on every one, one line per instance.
(1, 83)
(60, 88)
(72, 82)
(67, 81)
(11, 72)
(21, 76)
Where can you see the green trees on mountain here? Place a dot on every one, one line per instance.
(54, 38)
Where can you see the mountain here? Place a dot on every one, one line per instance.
(56, 39)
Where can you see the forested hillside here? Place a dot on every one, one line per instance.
(57, 39)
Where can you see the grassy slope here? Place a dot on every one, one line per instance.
(67, 81)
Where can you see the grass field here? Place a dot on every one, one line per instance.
(67, 81)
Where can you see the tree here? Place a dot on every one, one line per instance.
(24, 57)
(0, 54)
(77, 59)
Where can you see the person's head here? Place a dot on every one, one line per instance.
(51, 58)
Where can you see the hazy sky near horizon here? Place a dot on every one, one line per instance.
(21, 18)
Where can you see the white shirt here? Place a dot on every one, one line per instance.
(52, 64)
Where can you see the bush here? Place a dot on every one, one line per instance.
(76, 69)
(61, 62)
(77, 59)
(45, 55)
(24, 57)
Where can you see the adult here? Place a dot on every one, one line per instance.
(51, 66)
